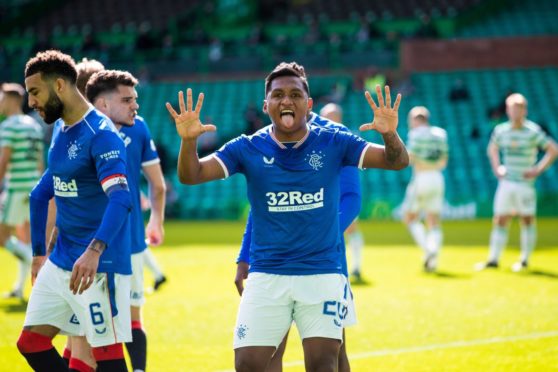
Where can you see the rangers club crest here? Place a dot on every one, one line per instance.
(315, 159)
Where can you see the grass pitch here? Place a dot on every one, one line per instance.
(454, 320)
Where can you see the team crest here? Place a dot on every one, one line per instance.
(315, 159)
(73, 150)
(241, 331)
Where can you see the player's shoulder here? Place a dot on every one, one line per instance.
(322, 122)
(438, 132)
(503, 127)
(99, 123)
(532, 126)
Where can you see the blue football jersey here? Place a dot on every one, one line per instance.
(294, 197)
(140, 151)
(86, 161)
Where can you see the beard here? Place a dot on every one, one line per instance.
(53, 108)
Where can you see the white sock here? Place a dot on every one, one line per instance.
(498, 241)
(528, 237)
(356, 242)
(419, 234)
(151, 263)
(434, 240)
(24, 270)
(20, 250)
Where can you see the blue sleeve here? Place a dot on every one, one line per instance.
(350, 196)
(230, 155)
(38, 206)
(352, 148)
(244, 254)
(110, 159)
(149, 151)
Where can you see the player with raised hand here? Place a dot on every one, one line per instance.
(84, 286)
(292, 169)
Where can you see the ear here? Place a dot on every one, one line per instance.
(310, 103)
(59, 85)
(264, 108)
(101, 104)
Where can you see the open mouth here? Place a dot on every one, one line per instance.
(287, 112)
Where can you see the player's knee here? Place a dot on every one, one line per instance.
(527, 220)
(501, 221)
(246, 362)
(31, 342)
(321, 363)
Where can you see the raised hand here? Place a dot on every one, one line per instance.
(385, 116)
(188, 124)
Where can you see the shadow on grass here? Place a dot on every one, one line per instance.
(542, 273)
(450, 275)
(18, 307)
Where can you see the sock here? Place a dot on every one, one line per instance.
(24, 270)
(137, 349)
(356, 242)
(77, 365)
(498, 241)
(419, 235)
(110, 358)
(528, 237)
(434, 240)
(39, 352)
(20, 250)
(67, 355)
(151, 263)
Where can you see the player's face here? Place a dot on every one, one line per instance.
(122, 106)
(43, 98)
(287, 104)
(516, 112)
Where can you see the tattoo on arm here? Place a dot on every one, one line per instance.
(97, 246)
(395, 152)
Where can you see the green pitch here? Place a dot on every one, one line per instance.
(455, 320)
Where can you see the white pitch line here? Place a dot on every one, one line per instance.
(449, 345)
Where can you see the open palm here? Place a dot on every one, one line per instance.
(188, 124)
(385, 116)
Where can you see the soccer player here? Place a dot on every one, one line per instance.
(519, 140)
(292, 171)
(21, 165)
(84, 286)
(86, 68)
(355, 239)
(349, 208)
(428, 150)
(114, 94)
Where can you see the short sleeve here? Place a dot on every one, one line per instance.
(352, 148)
(149, 153)
(230, 155)
(109, 154)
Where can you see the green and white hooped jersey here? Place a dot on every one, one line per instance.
(24, 136)
(428, 144)
(519, 148)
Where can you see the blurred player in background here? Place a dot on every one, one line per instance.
(84, 286)
(519, 140)
(349, 208)
(21, 165)
(292, 170)
(355, 239)
(424, 198)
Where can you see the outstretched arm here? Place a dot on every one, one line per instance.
(191, 170)
(393, 155)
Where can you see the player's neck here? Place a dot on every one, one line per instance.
(13, 111)
(516, 124)
(74, 110)
(290, 137)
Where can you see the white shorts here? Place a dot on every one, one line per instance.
(351, 318)
(137, 297)
(102, 312)
(515, 198)
(14, 207)
(270, 303)
(425, 193)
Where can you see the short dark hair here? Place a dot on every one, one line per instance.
(85, 69)
(13, 90)
(287, 69)
(52, 64)
(108, 81)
